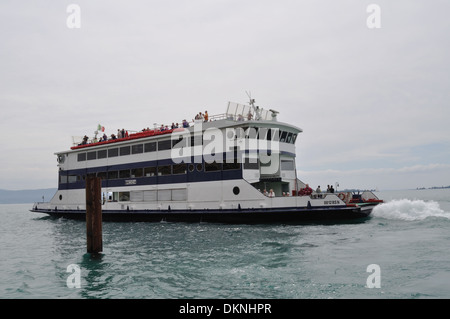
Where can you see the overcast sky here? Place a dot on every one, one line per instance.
(373, 102)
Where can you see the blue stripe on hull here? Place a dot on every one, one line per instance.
(245, 216)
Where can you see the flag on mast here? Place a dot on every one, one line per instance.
(100, 128)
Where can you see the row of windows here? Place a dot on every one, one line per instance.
(262, 133)
(163, 170)
(124, 150)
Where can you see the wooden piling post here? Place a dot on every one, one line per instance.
(93, 215)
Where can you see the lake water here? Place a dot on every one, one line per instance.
(401, 252)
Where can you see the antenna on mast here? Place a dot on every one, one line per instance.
(252, 101)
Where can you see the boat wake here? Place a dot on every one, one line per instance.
(410, 210)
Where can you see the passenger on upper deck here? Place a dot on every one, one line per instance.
(206, 116)
(305, 191)
(85, 140)
(185, 124)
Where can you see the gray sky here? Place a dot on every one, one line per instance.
(373, 103)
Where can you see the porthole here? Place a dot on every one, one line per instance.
(191, 167)
(199, 167)
(60, 197)
(236, 190)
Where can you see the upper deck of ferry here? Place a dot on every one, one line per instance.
(237, 115)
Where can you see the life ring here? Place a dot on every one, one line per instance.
(342, 196)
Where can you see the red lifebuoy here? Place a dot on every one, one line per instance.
(342, 196)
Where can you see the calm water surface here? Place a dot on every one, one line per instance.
(407, 238)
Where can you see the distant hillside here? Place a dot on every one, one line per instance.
(26, 196)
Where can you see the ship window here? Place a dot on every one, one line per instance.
(150, 147)
(63, 179)
(81, 157)
(149, 171)
(113, 174)
(283, 136)
(102, 154)
(137, 172)
(262, 133)
(196, 140)
(91, 156)
(199, 167)
(211, 167)
(287, 165)
(164, 170)
(294, 138)
(164, 145)
(179, 169)
(289, 138)
(191, 167)
(269, 135)
(125, 173)
(72, 178)
(251, 163)
(124, 196)
(252, 132)
(102, 175)
(227, 165)
(137, 149)
(113, 152)
(181, 142)
(125, 150)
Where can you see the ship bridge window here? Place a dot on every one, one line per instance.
(63, 179)
(150, 147)
(252, 132)
(125, 150)
(294, 137)
(102, 154)
(289, 138)
(81, 157)
(113, 152)
(137, 149)
(91, 155)
(283, 135)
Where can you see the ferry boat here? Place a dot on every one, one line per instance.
(236, 167)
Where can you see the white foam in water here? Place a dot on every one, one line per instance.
(405, 209)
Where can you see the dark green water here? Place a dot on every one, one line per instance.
(407, 238)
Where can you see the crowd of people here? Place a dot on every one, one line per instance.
(306, 191)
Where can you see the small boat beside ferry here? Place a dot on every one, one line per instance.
(235, 167)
